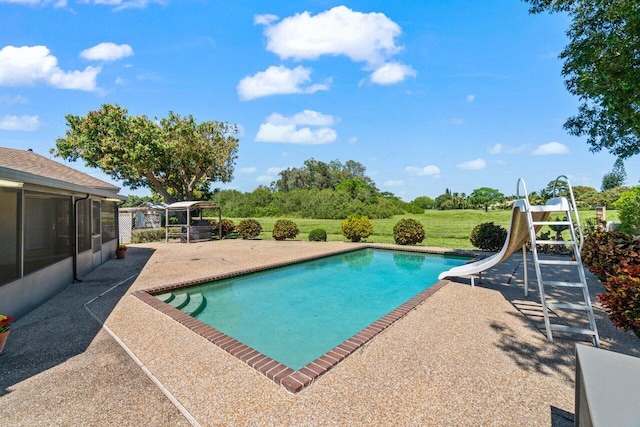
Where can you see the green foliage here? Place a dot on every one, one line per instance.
(424, 202)
(133, 201)
(622, 300)
(228, 227)
(319, 175)
(175, 157)
(249, 228)
(485, 197)
(609, 253)
(601, 68)
(629, 211)
(616, 177)
(615, 258)
(317, 235)
(356, 228)
(285, 229)
(408, 231)
(148, 235)
(488, 236)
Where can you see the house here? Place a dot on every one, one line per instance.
(56, 225)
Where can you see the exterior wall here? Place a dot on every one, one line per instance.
(19, 297)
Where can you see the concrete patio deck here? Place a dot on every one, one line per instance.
(465, 356)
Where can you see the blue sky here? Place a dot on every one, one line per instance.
(427, 95)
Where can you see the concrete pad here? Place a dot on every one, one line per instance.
(466, 356)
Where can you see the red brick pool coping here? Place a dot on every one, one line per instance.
(293, 381)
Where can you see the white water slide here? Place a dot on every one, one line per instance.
(517, 236)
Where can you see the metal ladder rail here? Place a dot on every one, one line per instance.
(534, 251)
(578, 242)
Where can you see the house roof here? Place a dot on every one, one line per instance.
(29, 167)
(192, 205)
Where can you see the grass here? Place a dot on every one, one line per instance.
(447, 229)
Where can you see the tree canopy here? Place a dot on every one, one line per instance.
(321, 175)
(485, 197)
(175, 157)
(602, 67)
(615, 178)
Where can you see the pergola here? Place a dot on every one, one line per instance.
(187, 232)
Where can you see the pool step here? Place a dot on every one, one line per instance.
(166, 297)
(191, 304)
(196, 304)
(179, 300)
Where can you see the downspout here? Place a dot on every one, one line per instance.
(75, 238)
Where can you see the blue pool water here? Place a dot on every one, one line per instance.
(297, 313)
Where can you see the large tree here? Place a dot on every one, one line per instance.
(602, 67)
(615, 178)
(485, 197)
(176, 157)
(320, 175)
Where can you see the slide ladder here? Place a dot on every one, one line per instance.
(567, 290)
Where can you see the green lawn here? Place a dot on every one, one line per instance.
(447, 229)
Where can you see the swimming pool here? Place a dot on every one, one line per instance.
(295, 322)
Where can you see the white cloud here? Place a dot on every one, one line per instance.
(476, 164)
(496, 149)
(119, 81)
(24, 123)
(391, 73)
(107, 52)
(292, 135)
(353, 139)
(362, 37)
(265, 19)
(306, 117)
(278, 128)
(277, 81)
(12, 100)
(250, 169)
(30, 65)
(470, 98)
(274, 170)
(551, 148)
(429, 170)
(393, 183)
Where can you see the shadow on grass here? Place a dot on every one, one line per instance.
(61, 328)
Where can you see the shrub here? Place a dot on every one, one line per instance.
(285, 229)
(249, 228)
(615, 258)
(610, 253)
(317, 235)
(408, 231)
(628, 206)
(228, 227)
(488, 236)
(622, 299)
(356, 228)
(148, 235)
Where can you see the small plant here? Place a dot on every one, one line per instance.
(285, 229)
(488, 236)
(622, 299)
(356, 228)
(317, 235)
(5, 323)
(249, 228)
(121, 248)
(408, 231)
(148, 235)
(628, 206)
(228, 227)
(610, 253)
